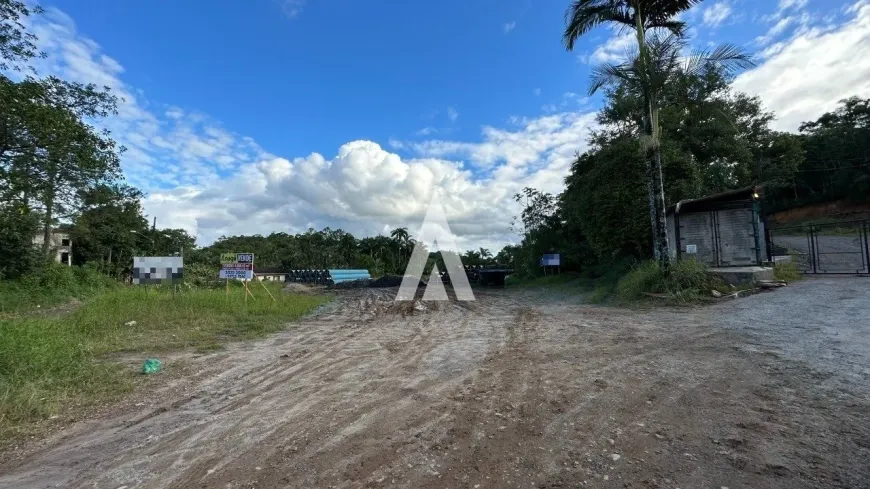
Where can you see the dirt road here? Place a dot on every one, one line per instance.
(517, 389)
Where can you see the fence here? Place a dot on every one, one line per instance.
(831, 248)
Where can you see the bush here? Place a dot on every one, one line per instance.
(17, 228)
(51, 284)
(786, 271)
(687, 280)
(202, 275)
(55, 276)
(90, 277)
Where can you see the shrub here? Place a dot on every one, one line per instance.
(786, 271)
(51, 284)
(202, 275)
(686, 280)
(645, 277)
(89, 276)
(54, 276)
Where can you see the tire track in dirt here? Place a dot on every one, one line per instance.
(511, 391)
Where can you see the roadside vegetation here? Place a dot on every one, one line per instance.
(48, 362)
(686, 281)
(51, 285)
(824, 226)
(787, 272)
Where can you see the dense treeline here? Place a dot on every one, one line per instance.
(836, 149)
(331, 248)
(60, 172)
(713, 140)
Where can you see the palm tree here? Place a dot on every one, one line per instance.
(485, 255)
(400, 235)
(640, 16)
(647, 77)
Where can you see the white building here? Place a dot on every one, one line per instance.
(61, 243)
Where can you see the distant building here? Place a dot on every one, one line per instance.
(272, 274)
(61, 243)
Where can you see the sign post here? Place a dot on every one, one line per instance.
(552, 260)
(267, 291)
(237, 266)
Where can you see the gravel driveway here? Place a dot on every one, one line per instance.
(822, 321)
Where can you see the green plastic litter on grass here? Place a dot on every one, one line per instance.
(151, 366)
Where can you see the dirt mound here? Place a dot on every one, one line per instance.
(391, 281)
(378, 305)
(297, 288)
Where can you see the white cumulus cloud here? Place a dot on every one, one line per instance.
(807, 75)
(612, 50)
(212, 182)
(716, 13)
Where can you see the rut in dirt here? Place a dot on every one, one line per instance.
(516, 389)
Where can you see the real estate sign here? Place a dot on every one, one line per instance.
(238, 266)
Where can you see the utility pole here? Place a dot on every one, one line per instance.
(153, 234)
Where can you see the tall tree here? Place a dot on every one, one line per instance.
(17, 46)
(647, 77)
(108, 227)
(62, 155)
(837, 148)
(641, 16)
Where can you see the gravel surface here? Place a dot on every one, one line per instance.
(519, 389)
(821, 321)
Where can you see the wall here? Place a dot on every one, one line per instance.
(57, 243)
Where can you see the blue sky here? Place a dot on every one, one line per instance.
(276, 115)
(340, 70)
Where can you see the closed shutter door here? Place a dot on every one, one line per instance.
(737, 239)
(697, 229)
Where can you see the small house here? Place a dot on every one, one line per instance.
(271, 274)
(721, 230)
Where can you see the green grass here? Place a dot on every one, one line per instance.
(786, 271)
(687, 282)
(50, 286)
(47, 363)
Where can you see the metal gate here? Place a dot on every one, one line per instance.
(832, 248)
(728, 236)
